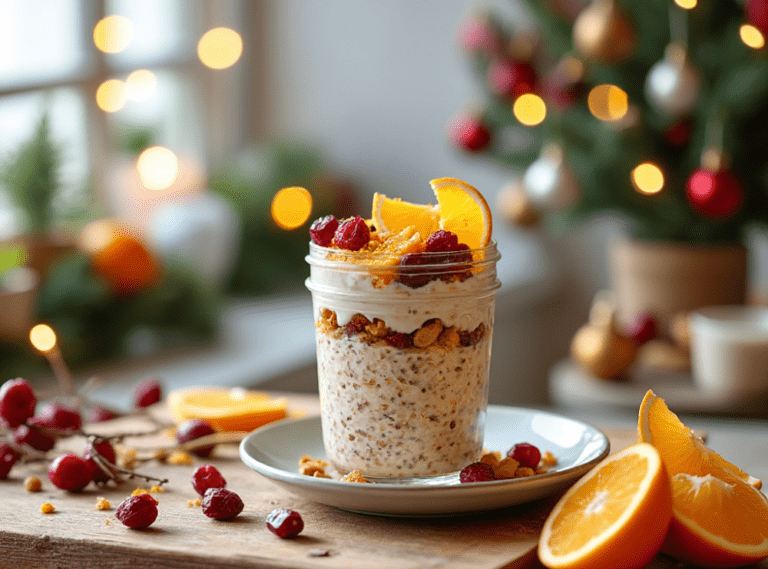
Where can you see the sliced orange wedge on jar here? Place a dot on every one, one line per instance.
(720, 517)
(393, 215)
(463, 211)
(616, 515)
(226, 409)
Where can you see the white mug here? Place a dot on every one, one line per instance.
(729, 350)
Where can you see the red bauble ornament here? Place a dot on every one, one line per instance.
(714, 194)
(470, 134)
(477, 35)
(511, 79)
(757, 14)
(679, 133)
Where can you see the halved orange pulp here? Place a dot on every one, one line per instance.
(720, 515)
(463, 211)
(615, 516)
(393, 215)
(226, 409)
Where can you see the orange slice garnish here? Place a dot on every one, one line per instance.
(616, 515)
(463, 211)
(720, 515)
(392, 215)
(226, 409)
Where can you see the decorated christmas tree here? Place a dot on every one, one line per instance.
(653, 109)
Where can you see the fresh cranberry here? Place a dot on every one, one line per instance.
(476, 472)
(8, 457)
(17, 402)
(33, 437)
(322, 230)
(192, 429)
(470, 134)
(398, 340)
(107, 452)
(137, 512)
(205, 477)
(353, 234)
(69, 472)
(58, 417)
(643, 329)
(147, 393)
(526, 454)
(99, 414)
(221, 504)
(285, 523)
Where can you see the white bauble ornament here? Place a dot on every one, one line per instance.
(673, 84)
(203, 232)
(549, 181)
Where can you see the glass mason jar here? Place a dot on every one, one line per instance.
(403, 357)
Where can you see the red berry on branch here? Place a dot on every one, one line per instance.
(468, 133)
(106, 451)
(322, 230)
(69, 472)
(285, 523)
(99, 414)
(476, 472)
(33, 437)
(526, 454)
(8, 457)
(715, 195)
(221, 504)
(205, 477)
(510, 79)
(58, 417)
(757, 14)
(138, 512)
(192, 429)
(147, 393)
(17, 402)
(353, 234)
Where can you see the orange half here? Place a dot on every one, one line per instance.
(226, 409)
(393, 215)
(463, 211)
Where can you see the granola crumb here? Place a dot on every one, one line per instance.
(354, 476)
(524, 471)
(102, 503)
(313, 467)
(156, 489)
(194, 503)
(127, 457)
(181, 458)
(492, 459)
(32, 484)
(160, 455)
(548, 459)
(507, 468)
(139, 491)
(47, 508)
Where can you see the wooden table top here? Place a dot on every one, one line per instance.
(78, 535)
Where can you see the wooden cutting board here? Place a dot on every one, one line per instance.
(78, 535)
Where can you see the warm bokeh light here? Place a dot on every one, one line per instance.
(751, 36)
(608, 102)
(140, 85)
(43, 337)
(220, 48)
(687, 4)
(530, 109)
(291, 207)
(648, 178)
(113, 34)
(158, 168)
(111, 95)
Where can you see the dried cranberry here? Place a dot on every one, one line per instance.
(58, 417)
(69, 472)
(221, 504)
(471, 338)
(99, 414)
(17, 402)
(442, 241)
(147, 393)
(205, 477)
(33, 437)
(353, 234)
(476, 472)
(8, 457)
(459, 259)
(192, 429)
(138, 512)
(526, 454)
(357, 324)
(409, 274)
(322, 230)
(285, 523)
(398, 340)
(107, 452)
(643, 329)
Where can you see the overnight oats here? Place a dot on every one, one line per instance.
(404, 325)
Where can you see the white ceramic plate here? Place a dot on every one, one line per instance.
(274, 451)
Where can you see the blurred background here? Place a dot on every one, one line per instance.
(151, 152)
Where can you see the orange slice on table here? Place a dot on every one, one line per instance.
(463, 211)
(226, 409)
(720, 515)
(392, 215)
(616, 515)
